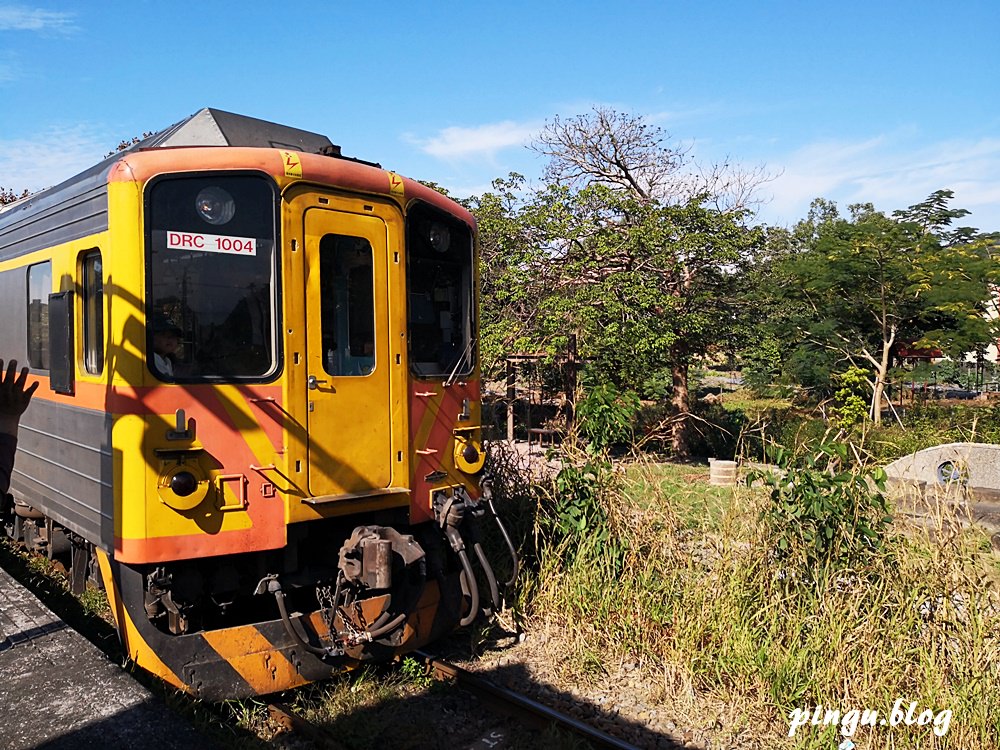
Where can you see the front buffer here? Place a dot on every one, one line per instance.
(286, 648)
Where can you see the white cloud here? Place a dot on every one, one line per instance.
(20, 18)
(890, 172)
(55, 155)
(476, 142)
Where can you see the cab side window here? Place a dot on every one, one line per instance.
(92, 290)
(39, 288)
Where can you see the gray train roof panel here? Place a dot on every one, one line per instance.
(213, 127)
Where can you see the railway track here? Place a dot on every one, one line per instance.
(517, 705)
(515, 710)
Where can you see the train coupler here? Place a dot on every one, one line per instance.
(270, 584)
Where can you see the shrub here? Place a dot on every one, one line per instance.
(850, 398)
(605, 416)
(822, 515)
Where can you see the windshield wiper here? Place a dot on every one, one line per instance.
(461, 360)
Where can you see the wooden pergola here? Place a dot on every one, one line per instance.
(570, 364)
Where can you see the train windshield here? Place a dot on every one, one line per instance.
(211, 295)
(440, 285)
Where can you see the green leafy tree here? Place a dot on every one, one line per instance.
(857, 287)
(513, 266)
(624, 246)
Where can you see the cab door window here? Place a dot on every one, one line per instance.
(347, 305)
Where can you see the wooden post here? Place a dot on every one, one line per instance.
(571, 376)
(511, 396)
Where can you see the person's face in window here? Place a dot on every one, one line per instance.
(166, 343)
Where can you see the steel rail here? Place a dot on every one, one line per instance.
(286, 716)
(518, 704)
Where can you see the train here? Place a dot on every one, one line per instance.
(259, 423)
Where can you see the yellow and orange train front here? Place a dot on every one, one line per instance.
(295, 414)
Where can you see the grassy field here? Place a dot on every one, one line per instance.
(684, 580)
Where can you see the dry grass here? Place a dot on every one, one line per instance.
(723, 635)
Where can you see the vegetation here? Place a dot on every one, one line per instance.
(9, 196)
(860, 289)
(657, 267)
(622, 245)
(737, 623)
(822, 516)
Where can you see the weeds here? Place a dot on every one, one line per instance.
(705, 607)
(822, 513)
(416, 673)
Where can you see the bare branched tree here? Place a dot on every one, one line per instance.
(124, 145)
(624, 151)
(731, 187)
(612, 148)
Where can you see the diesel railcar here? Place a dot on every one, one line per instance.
(259, 416)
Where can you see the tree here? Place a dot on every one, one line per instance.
(861, 286)
(622, 246)
(9, 196)
(512, 267)
(126, 144)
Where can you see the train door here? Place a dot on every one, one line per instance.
(348, 413)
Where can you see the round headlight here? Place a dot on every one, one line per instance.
(183, 483)
(439, 236)
(215, 205)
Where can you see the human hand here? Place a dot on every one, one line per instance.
(14, 397)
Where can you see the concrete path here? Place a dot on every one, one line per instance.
(58, 690)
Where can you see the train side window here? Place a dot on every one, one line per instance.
(347, 304)
(39, 289)
(93, 313)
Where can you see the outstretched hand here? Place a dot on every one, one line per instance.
(14, 397)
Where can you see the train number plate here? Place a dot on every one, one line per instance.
(211, 243)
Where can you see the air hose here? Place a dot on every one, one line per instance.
(279, 597)
(515, 562)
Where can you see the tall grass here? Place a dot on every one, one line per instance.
(713, 616)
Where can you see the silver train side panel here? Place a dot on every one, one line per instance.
(65, 467)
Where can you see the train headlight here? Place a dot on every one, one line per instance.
(183, 483)
(439, 236)
(182, 486)
(469, 454)
(215, 205)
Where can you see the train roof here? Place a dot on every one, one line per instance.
(78, 207)
(213, 127)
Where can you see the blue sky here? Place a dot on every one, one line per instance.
(853, 101)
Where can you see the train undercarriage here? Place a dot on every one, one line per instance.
(337, 595)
